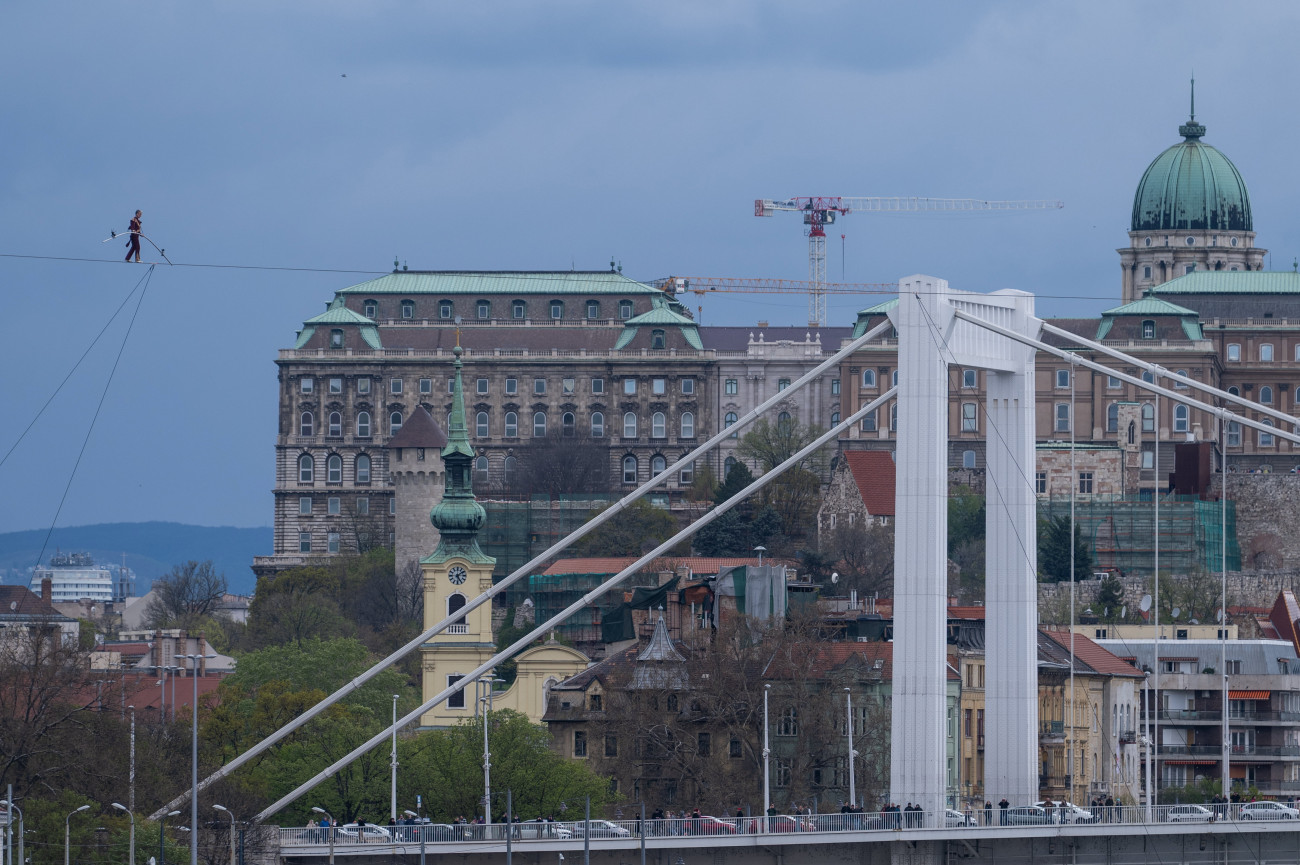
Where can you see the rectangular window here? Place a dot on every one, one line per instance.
(658, 387)
(702, 744)
(611, 746)
(688, 386)
(308, 385)
(1112, 382)
(304, 542)
(1040, 483)
(568, 385)
(481, 385)
(333, 505)
(336, 385)
(629, 385)
(594, 702)
(451, 385)
(782, 383)
(512, 385)
(734, 748)
(392, 507)
(597, 385)
(456, 700)
(969, 418)
(333, 540)
(1085, 483)
(732, 386)
(1062, 417)
(1234, 351)
(1062, 378)
(304, 505)
(579, 743)
(869, 422)
(968, 377)
(1266, 353)
(363, 385)
(539, 385)
(363, 506)
(835, 387)
(395, 386)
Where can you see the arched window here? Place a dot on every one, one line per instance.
(629, 469)
(408, 309)
(1112, 417)
(835, 418)
(334, 469)
(306, 469)
(893, 417)
(688, 425)
(371, 308)
(1178, 384)
(730, 421)
(336, 424)
(658, 425)
(727, 465)
(868, 378)
(1266, 395)
(518, 309)
(481, 470)
(869, 422)
(1266, 439)
(893, 379)
(1148, 329)
(557, 309)
(1132, 432)
(363, 469)
(539, 425)
(783, 419)
(658, 339)
(1148, 417)
(481, 424)
(1148, 376)
(508, 471)
(512, 425)
(306, 424)
(363, 424)
(597, 424)
(629, 425)
(394, 422)
(657, 464)
(968, 459)
(1180, 418)
(456, 603)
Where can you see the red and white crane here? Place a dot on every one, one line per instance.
(821, 210)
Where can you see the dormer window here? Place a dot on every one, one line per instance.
(408, 309)
(336, 338)
(444, 309)
(593, 309)
(557, 309)
(1148, 329)
(518, 309)
(625, 309)
(484, 310)
(658, 339)
(371, 308)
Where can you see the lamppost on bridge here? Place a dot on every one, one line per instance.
(162, 837)
(231, 815)
(392, 808)
(330, 831)
(853, 793)
(194, 759)
(767, 753)
(67, 834)
(119, 806)
(9, 828)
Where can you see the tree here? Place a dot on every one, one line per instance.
(1109, 606)
(703, 485)
(965, 518)
(796, 493)
(864, 556)
(639, 528)
(737, 479)
(1054, 550)
(188, 594)
(562, 464)
(294, 606)
(738, 531)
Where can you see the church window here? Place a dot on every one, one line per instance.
(394, 422)
(1234, 351)
(336, 338)
(306, 424)
(304, 542)
(1147, 241)
(456, 700)
(444, 309)
(968, 459)
(1112, 417)
(1180, 418)
(1233, 242)
(1190, 268)
(304, 505)
(336, 424)
(332, 542)
(1148, 329)
(481, 424)
(512, 425)
(539, 425)
(629, 469)
(969, 418)
(371, 308)
(568, 426)
(518, 309)
(1146, 272)
(688, 425)
(597, 424)
(1266, 353)
(1191, 241)
(1266, 395)
(306, 469)
(334, 469)
(363, 469)
(625, 309)
(484, 309)
(1148, 417)
(629, 425)
(408, 309)
(456, 603)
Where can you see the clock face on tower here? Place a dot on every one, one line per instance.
(457, 575)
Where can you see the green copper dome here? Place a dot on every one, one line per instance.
(1191, 186)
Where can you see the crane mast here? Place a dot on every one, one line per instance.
(821, 210)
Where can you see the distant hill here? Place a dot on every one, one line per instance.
(151, 549)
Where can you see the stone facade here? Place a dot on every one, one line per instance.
(1268, 518)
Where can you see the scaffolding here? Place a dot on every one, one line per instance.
(1120, 532)
(516, 530)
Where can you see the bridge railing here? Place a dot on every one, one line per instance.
(432, 834)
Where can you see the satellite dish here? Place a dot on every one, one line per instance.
(1174, 612)
(1123, 611)
(1218, 615)
(1146, 603)
(835, 577)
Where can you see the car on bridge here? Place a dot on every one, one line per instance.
(1188, 814)
(954, 818)
(1267, 811)
(599, 829)
(530, 829)
(1027, 815)
(1072, 813)
(709, 826)
(365, 832)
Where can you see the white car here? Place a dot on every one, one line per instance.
(599, 829)
(1073, 813)
(1267, 811)
(953, 818)
(1188, 814)
(368, 832)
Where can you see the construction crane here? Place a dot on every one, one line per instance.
(702, 285)
(820, 211)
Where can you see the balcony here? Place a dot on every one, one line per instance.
(458, 629)
(1128, 737)
(1051, 730)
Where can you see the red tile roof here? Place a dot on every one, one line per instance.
(614, 564)
(1093, 655)
(23, 602)
(873, 472)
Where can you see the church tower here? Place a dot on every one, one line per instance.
(455, 573)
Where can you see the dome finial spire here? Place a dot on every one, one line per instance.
(1191, 130)
(1193, 112)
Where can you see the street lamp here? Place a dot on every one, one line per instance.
(67, 835)
(392, 808)
(767, 752)
(329, 832)
(231, 815)
(194, 759)
(119, 806)
(162, 837)
(10, 827)
(487, 765)
(853, 795)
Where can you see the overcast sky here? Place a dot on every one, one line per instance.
(511, 135)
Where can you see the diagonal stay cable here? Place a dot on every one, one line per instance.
(527, 568)
(75, 366)
(100, 405)
(590, 597)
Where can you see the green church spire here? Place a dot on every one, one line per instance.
(458, 517)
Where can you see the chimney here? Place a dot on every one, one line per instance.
(47, 590)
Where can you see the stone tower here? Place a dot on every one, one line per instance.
(416, 470)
